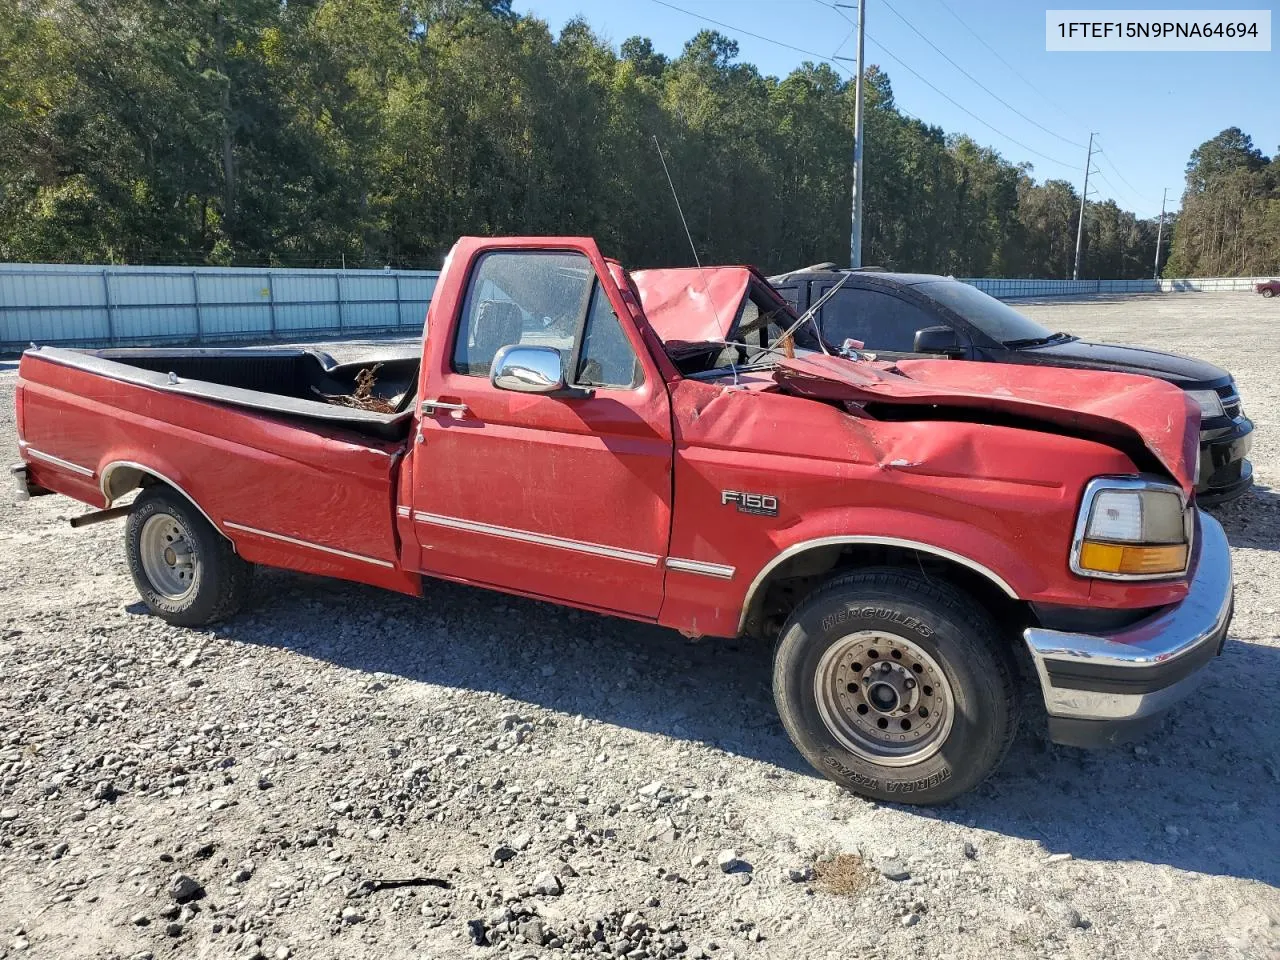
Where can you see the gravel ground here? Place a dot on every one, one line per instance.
(549, 783)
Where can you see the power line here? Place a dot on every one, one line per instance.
(1103, 177)
(1135, 199)
(958, 106)
(1135, 193)
(831, 60)
(757, 36)
(898, 60)
(811, 53)
(1012, 69)
(1116, 170)
(979, 83)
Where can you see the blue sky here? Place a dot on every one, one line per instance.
(1150, 110)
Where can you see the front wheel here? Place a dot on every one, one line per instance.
(896, 686)
(1268, 294)
(185, 570)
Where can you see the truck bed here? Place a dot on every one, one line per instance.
(292, 481)
(288, 381)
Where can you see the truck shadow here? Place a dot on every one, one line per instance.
(1251, 520)
(1202, 794)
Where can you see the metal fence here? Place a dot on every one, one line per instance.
(1012, 289)
(113, 306)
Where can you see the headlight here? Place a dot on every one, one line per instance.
(1210, 403)
(1131, 529)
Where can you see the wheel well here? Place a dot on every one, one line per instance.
(121, 477)
(796, 577)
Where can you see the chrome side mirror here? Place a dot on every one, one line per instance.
(527, 369)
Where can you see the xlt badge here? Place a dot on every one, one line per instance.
(760, 504)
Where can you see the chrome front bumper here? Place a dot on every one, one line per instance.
(1109, 687)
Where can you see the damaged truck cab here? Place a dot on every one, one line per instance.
(920, 539)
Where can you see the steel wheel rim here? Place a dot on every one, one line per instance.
(168, 556)
(884, 698)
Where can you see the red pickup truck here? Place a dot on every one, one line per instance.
(920, 539)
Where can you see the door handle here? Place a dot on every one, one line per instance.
(435, 406)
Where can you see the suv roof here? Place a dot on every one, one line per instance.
(825, 271)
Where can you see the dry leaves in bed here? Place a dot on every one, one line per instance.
(362, 398)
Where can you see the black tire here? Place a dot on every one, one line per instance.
(929, 617)
(1268, 294)
(219, 580)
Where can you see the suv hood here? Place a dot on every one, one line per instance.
(1146, 418)
(1184, 372)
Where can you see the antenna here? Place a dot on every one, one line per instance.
(808, 315)
(680, 210)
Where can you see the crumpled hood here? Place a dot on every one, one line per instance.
(1121, 407)
(692, 304)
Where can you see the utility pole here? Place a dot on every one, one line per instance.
(1084, 194)
(1160, 234)
(855, 233)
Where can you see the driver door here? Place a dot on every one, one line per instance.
(564, 497)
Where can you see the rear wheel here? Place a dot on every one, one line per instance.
(185, 571)
(896, 686)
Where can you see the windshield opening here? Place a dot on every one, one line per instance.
(996, 319)
(754, 340)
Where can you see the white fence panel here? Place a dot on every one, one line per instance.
(110, 306)
(107, 306)
(1012, 289)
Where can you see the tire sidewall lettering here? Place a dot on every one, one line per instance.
(935, 616)
(880, 613)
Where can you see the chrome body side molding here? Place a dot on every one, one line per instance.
(540, 539)
(309, 545)
(49, 458)
(719, 571)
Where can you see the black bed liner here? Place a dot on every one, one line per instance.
(285, 381)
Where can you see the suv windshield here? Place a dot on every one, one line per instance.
(997, 320)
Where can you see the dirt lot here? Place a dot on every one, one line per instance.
(572, 780)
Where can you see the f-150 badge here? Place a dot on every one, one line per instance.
(760, 504)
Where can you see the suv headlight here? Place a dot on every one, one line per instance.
(1210, 403)
(1131, 529)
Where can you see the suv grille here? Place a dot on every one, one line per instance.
(1230, 400)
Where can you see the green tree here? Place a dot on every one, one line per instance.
(378, 131)
(1229, 224)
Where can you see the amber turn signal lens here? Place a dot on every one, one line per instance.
(1127, 558)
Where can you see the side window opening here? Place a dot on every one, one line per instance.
(547, 299)
(761, 321)
(606, 358)
(523, 297)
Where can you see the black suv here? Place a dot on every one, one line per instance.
(898, 315)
